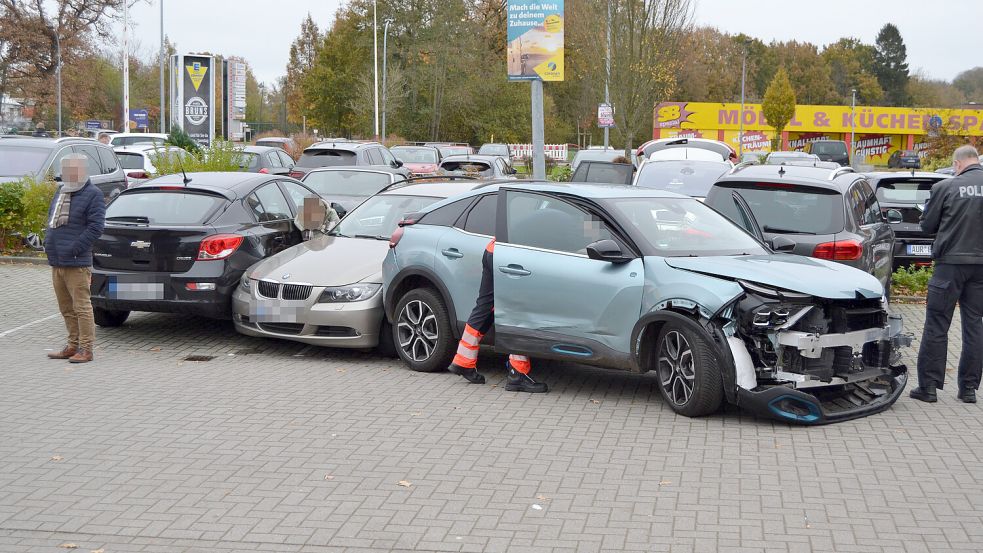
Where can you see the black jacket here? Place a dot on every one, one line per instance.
(954, 213)
(70, 245)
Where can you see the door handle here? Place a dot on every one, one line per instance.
(516, 270)
(452, 253)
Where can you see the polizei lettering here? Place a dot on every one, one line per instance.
(971, 191)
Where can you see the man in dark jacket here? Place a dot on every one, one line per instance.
(954, 213)
(75, 219)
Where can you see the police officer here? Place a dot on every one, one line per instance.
(479, 323)
(954, 213)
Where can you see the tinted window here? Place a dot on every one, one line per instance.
(269, 204)
(447, 215)
(347, 183)
(872, 209)
(374, 156)
(108, 160)
(326, 158)
(692, 178)
(92, 158)
(377, 217)
(415, 155)
(603, 172)
(855, 203)
(548, 223)
(296, 192)
(481, 218)
(131, 161)
(165, 208)
(780, 206)
(16, 161)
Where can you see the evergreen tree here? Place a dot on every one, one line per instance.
(891, 65)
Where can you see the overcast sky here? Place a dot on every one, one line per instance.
(941, 37)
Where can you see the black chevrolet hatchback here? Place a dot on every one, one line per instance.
(176, 247)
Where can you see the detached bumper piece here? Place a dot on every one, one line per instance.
(826, 404)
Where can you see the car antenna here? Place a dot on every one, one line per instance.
(781, 171)
(184, 175)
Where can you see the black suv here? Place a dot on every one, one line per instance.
(37, 157)
(829, 150)
(330, 153)
(907, 193)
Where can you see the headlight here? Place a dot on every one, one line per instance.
(244, 282)
(353, 292)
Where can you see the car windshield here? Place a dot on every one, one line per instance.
(446, 151)
(795, 209)
(378, 216)
(829, 148)
(130, 160)
(164, 207)
(913, 191)
(414, 155)
(129, 140)
(325, 158)
(17, 161)
(494, 149)
(692, 178)
(684, 227)
(347, 183)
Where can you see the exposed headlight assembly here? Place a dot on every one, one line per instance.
(351, 293)
(768, 292)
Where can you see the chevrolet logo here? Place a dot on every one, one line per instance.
(140, 244)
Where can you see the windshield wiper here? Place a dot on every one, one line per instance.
(130, 218)
(336, 233)
(372, 236)
(785, 230)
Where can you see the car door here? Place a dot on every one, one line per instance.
(878, 236)
(457, 260)
(551, 300)
(276, 231)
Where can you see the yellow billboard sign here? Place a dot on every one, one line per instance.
(833, 119)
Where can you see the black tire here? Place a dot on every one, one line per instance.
(109, 318)
(690, 380)
(422, 336)
(387, 345)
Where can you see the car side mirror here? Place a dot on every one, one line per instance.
(397, 164)
(339, 210)
(782, 244)
(893, 216)
(607, 250)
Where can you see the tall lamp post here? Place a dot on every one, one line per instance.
(740, 133)
(385, 91)
(162, 53)
(375, 56)
(607, 76)
(126, 70)
(853, 122)
(58, 53)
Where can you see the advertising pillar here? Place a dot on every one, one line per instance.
(234, 98)
(192, 90)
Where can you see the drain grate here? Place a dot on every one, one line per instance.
(201, 358)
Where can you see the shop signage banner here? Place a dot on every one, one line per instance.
(139, 119)
(535, 40)
(832, 119)
(605, 116)
(193, 92)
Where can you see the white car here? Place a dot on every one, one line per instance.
(666, 149)
(137, 160)
(129, 139)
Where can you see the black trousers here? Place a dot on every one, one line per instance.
(483, 315)
(949, 284)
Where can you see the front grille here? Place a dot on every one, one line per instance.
(335, 332)
(268, 289)
(282, 328)
(296, 291)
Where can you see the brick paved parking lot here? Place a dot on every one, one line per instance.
(275, 446)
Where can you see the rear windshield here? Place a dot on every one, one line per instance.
(164, 207)
(829, 148)
(494, 149)
(415, 155)
(130, 161)
(446, 151)
(347, 183)
(467, 168)
(783, 209)
(692, 178)
(17, 161)
(603, 172)
(911, 191)
(250, 160)
(378, 216)
(326, 158)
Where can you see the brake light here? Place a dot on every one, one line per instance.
(295, 174)
(841, 250)
(138, 175)
(263, 170)
(398, 233)
(218, 246)
(782, 185)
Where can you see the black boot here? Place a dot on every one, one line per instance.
(518, 382)
(924, 393)
(471, 375)
(967, 395)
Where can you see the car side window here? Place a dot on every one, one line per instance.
(108, 160)
(387, 156)
(855, 203)
(447, 215)
(272, 205)
(872, 208)
(274, 159)
(55, 168)
(481, 218)
(287, 161)
(374, 157)
(549, 223)
(92, 159)
(297, 192)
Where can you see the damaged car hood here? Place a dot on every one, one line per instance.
(806, 275)
(324, 261)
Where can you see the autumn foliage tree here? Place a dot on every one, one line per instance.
(778, 106)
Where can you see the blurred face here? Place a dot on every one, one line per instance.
(313, 213)
(104, 138)
(73, 171)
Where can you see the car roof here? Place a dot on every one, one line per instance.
(141, 147)
(280, 139)
(876, 176)
(439, 189)
(591, 190)
(414, 146)
(793, 174)
(358, 168)
(232, 185)
(261, 149)
(487, 158)
(139, 134)
(50, 143)
(341, 145)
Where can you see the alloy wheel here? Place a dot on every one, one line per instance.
(676, 368)
(417, 331)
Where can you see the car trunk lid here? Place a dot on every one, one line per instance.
(149, 248)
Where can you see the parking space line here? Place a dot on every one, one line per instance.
(23, 326)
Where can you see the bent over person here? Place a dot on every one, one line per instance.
(75, 220)
(479, 323)
(954, 213)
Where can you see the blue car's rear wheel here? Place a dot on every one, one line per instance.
(422, 331)
(688, 375)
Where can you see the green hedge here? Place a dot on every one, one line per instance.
(23, 210)
(911, 281)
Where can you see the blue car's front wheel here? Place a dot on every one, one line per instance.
(689, 377)
(422, 331)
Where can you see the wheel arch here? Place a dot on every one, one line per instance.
(417, 278)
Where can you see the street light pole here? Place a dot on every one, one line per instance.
(126, 70)
(375, 55)
(162, 67)
(740, 133)
(607, 76)
(385, 91)
(853, 122)
(58, 50)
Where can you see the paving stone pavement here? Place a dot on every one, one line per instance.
(280, 447)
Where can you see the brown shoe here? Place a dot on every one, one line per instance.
(81, 356)
(66, 353)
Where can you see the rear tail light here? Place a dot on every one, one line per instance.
(264, 170)
(295, 174)
(398, 233)
(841, 250)
(138, 175)
(218, 246)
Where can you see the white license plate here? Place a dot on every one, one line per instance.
(135, 290)
(276, 311)
(920, 249)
